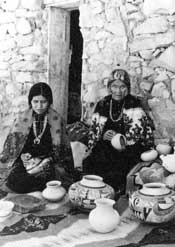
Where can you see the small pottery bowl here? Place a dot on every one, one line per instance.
(119, 142)
(168, 162)
(163, 148)
(54, 191)
(149, 155)
(6, 207)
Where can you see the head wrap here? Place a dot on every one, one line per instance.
(121, 75)
(43, 89)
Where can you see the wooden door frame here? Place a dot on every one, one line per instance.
(57, 76)
(65, 4)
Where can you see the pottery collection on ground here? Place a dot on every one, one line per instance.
(83, 193)
(54, 191)
(154, 203)
(104, 218)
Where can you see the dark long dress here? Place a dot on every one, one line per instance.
(21, 181)
(58, 159)
(105, 160)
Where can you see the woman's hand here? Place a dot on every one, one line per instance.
(26, 158)
(109, 134)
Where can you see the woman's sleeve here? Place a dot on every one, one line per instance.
(97, 124)
(139, 128)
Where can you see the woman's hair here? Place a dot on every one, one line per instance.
(122, 75)
(43, 89)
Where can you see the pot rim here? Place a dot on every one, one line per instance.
(53, 183)
(92, 181)
(155, 189)
(105, 201)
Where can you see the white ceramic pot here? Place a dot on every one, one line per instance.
(83, 194)
(119, 142)
(54, 191)
(104, 218)
(154, 203)
(168, 162)
(163, 148)
(149, 155)
(6, 207)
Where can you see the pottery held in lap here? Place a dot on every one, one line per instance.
(154, 203)
(119, 142)
(104, 218)
(83, 194)
(54, 191)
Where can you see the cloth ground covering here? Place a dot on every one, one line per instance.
(60, 225)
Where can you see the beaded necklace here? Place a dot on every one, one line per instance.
(120, 115)
(41, 132)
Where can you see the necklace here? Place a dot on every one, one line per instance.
(38, 137)
(120, 115)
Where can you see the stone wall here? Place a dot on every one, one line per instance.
(138, 35)
(23, 52)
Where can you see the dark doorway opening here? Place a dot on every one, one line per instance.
(75, 69)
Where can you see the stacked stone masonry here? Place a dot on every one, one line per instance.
(138, 35)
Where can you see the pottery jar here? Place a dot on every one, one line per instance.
(168, 162)
(104, 218)
(119, 142)
(149, 155)
(153, 203)
(83, 193)
(54, 191)
(163, 148)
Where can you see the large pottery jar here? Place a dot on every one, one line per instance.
(154, 203)
(83, 193)
(54, 191)
(104, 218)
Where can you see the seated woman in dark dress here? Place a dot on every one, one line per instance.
(33, 149)
(119, 112)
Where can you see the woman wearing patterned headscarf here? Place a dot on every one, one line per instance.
(119, 112)
(33, 149)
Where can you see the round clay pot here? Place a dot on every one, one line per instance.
(154, 203)
(163, 148)
(104, 218)
(83, 193)
(149, 155)
(119, 142)
(54, 191)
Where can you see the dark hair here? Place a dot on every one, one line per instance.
(122, 75)
(43, 89)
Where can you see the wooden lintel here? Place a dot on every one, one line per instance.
(65, 4)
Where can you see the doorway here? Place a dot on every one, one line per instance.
(75, 69)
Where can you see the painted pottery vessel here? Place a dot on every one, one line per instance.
(104, 218)
(83, 194)
(53, 191)
(154, 203)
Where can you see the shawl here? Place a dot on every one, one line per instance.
(18, 135)
(136, 123)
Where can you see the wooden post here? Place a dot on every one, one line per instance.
(58, 67)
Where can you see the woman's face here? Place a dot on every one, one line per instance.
(118, 90)
(39, 104)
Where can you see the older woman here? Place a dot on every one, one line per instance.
(119, 112)
(33, 149)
